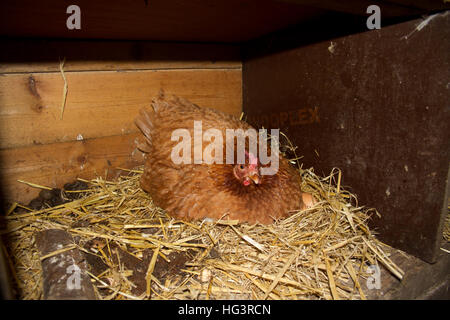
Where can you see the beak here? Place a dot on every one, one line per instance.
(255, 178)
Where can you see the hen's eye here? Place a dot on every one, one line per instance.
(241, 167)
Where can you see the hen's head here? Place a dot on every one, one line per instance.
(248, 173)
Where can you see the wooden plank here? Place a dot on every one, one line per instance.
(101, 104)
(37, 55)
(431, 5)
(162, 20)
(53, 165)
(55, 279)
(389, 9)
(230, 21)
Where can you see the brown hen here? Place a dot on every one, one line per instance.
(217, 191)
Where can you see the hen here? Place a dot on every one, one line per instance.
(218, 191)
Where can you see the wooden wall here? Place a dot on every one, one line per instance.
(108, 82)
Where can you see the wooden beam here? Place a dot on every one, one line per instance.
(162, 20)
(43, 55)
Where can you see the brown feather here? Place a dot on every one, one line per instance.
(195, 191)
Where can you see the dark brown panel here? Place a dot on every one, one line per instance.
(174, 20)
(376, 105)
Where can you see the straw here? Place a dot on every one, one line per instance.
(65, 89)
(319, 253)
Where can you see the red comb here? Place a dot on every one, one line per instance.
(252, 158)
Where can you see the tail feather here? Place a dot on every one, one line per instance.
(147, 117)
(144, 121)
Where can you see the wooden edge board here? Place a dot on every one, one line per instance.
(53, 165)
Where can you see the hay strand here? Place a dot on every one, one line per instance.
(66, 87)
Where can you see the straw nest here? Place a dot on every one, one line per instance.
(319, 253)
